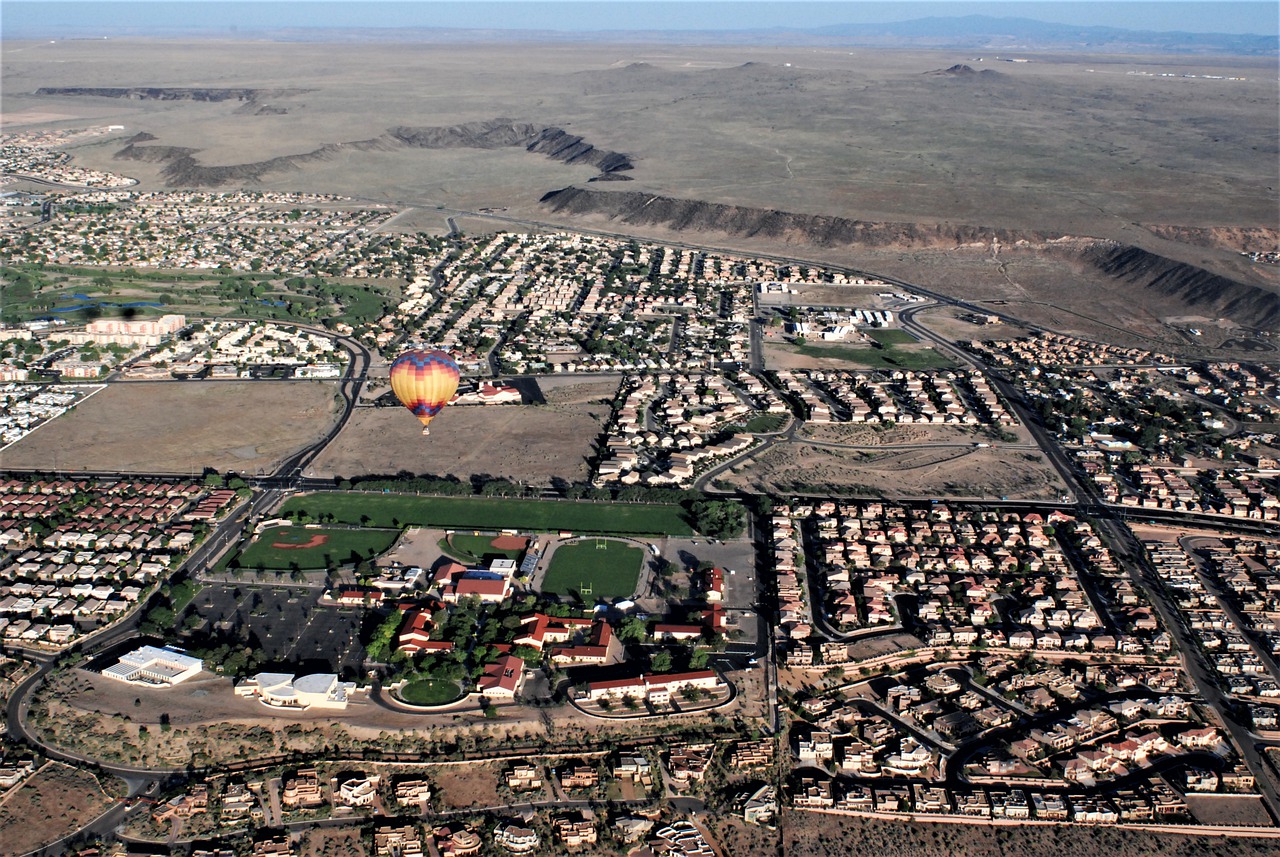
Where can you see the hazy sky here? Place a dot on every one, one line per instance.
(46, 17)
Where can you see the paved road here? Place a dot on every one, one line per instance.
(289, 476)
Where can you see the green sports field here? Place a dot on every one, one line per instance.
(304, 548)
(486, 513)
(430, 691)
(470, 548)
(609, 569)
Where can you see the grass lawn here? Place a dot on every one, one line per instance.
(316, 548)
(888, 357)
(430, 691)
(487, 513)
(610, 569)
(764, 423)
(475, 548)
(892, 336)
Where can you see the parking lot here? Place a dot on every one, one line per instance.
(737, 557)
(284, 624)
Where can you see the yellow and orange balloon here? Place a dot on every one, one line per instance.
(424, 382)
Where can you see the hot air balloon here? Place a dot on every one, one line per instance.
(424, 382)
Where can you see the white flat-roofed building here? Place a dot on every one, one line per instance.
(149, 665)
(282, 690)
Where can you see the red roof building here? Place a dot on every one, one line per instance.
(668, 631)
(653, 688)
(539, 629)
(504, 677)
(602, 647)
(415, 635)
(491, 589)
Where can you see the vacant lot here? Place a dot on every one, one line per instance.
(925, 472)
(822, 835)
(524, 443)
(783, 355)
(482, 513)
(881, 434)
(55, 802)
(607, 568)
(1229, 809)
(177, 427)
(465, 786)
(301, 548)
(332, 842)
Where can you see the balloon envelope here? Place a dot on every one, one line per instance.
(424, 381)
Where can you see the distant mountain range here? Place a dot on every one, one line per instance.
(969, 33)
(989, 33)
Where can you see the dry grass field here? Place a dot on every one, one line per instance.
(332, 842)
(462, 787)
(862, 434)
(938, 472)
(177, 427)
(56, 801)
(821, 835)
(834, 131)
(529, 443)
(1229, 809)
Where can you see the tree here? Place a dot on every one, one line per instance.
(632, 630)
(722, 519)
(698, 660)
(528, 654)
(660, 662)
(379, 647)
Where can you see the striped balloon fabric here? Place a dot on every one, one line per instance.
(424, 382)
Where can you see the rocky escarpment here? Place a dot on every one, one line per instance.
(692, 215)
(170, 93)
(555, 143)
(1259, 239)
(182, 168)
(1212, 293)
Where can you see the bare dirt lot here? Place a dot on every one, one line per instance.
(467, 786)
(959, 326)
(862, 434)
(339, 842)
(782, 354)
(177, 427)
(570, 390)
(1229, 809)
(926, 472)
(822, 835)
(54, 802)
(528, 443)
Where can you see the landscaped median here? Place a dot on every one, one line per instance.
(488, 513)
